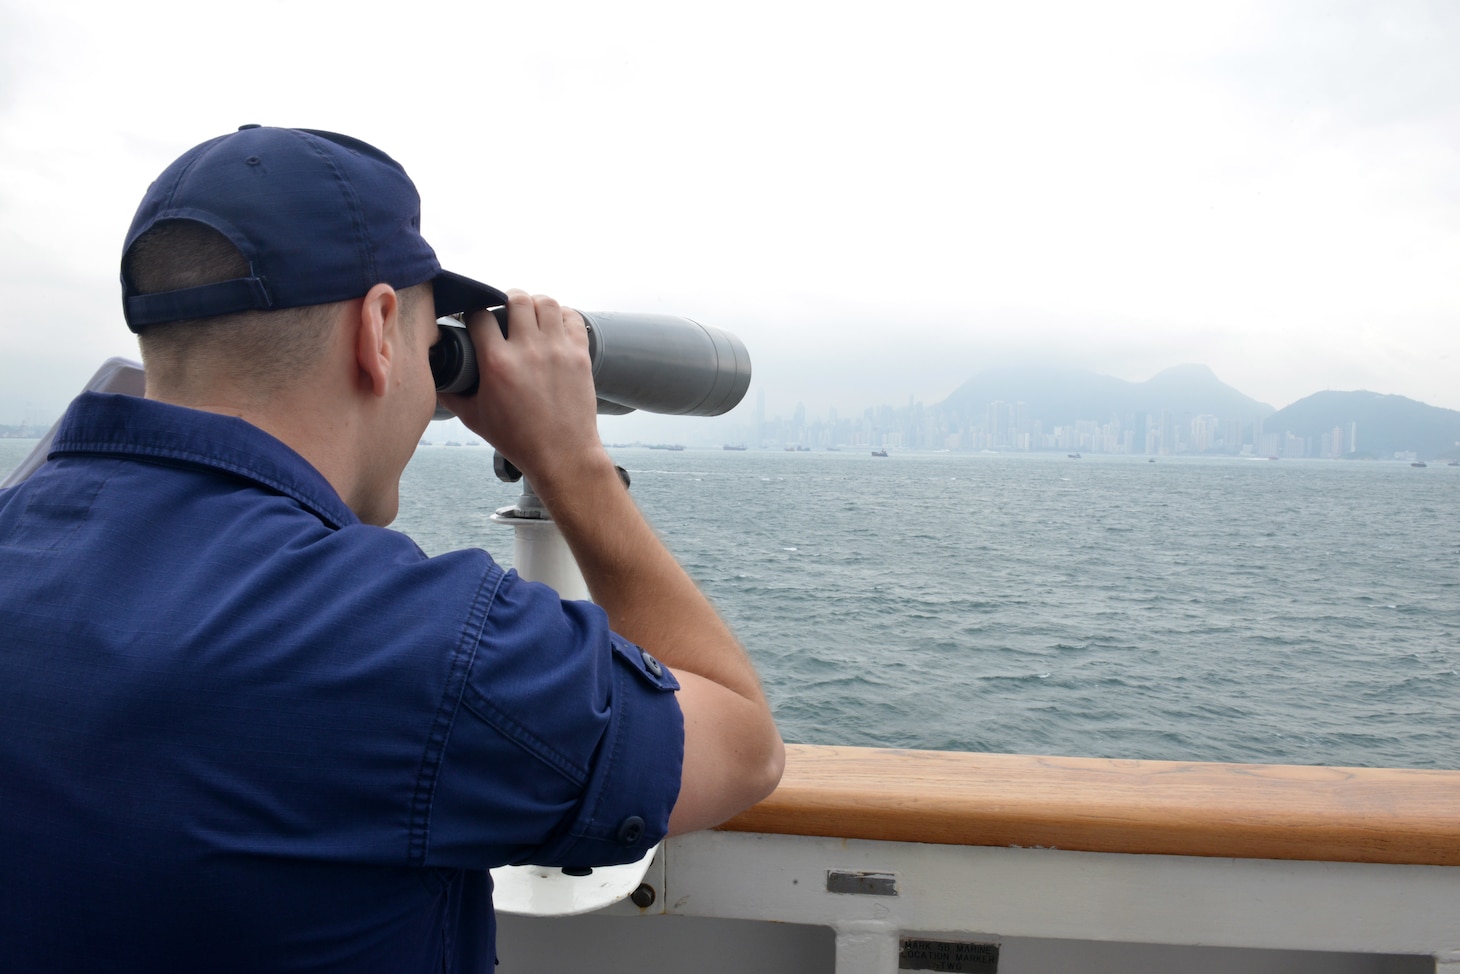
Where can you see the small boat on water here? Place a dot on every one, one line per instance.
(879, 453)
(1419, 463)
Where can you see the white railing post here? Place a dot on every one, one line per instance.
(867, 947)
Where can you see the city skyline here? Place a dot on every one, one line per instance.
(1002, 425)
(987, 425)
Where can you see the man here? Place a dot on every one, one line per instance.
(242, 727)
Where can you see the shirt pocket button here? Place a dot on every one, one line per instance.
(631, 830)
(651, 664)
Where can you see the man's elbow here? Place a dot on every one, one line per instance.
(733, 755)
(766, 775)
(754, 773)
(717, 787)
(762, 759)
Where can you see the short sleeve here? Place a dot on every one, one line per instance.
(566, 747)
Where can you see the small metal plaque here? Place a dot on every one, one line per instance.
(947, 955)
(864, 884)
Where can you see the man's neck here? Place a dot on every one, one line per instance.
(325, 436)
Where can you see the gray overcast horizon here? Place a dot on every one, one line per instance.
(880, 200)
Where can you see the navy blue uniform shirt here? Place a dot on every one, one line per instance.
(240, 730)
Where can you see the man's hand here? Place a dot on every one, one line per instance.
(536, 403)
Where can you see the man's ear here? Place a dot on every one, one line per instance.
(377, 340)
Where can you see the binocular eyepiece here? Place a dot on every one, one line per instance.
(657, 363)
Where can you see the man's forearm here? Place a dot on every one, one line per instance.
(733, 755)
(648, 596)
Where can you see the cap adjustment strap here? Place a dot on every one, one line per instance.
(204, 301)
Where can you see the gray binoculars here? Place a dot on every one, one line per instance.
(657, 363)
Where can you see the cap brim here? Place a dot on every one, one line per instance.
(456, 294)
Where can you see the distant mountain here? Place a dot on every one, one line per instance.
(1064, 396)
(1385, 425)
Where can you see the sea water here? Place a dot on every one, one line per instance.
(1221, 609)
(1189, 609)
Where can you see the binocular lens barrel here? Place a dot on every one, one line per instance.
(454, 361)
(657, 363)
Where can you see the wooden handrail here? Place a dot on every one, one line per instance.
(1248, 811)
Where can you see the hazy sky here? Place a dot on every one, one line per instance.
(880, 199)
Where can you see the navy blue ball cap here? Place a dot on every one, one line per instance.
(319, 217)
